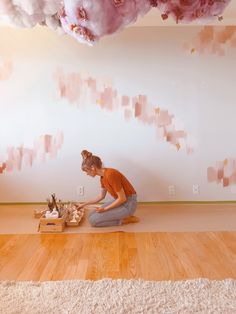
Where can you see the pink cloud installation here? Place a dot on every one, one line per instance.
(17, 157)
(214, 40)
(89, 20)
(224, 172)
(79, 91)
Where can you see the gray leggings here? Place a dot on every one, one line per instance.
(114, 216)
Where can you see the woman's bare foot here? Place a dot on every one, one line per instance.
(130, 219)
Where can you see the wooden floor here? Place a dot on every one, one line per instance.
(150, 256)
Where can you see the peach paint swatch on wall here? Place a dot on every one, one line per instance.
(213, 40)
(17, 157)
(6, 69)
(224, 172)
(78, 90)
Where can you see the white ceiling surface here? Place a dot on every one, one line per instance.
(153, 18)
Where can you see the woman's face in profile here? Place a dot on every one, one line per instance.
(91, 171)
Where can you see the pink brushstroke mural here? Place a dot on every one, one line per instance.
(224, 172)
(213, 40)
(5, 70)
(17, 157)
(78, 90)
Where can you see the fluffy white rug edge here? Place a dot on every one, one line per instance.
(116, 296)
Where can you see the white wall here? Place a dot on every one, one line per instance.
(198, 89)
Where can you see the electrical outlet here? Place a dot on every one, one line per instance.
(171, 189)
(80, 190)
(195, 189)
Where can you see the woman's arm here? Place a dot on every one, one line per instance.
(97, 199)
(117, 202)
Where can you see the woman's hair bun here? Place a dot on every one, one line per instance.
(85, 154)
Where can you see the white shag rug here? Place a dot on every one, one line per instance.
(118, 297)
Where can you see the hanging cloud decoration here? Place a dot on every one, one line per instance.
(89, 20)
(28, 13)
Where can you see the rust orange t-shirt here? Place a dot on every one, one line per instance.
(113, 181)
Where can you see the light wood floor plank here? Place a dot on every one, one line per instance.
(150, 256)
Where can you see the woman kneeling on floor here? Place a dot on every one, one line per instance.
(121, 209)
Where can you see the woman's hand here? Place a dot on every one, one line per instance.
(100, 209)
(79, 206)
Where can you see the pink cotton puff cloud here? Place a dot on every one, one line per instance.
(89, 20)
(190, 10)
(28, 13)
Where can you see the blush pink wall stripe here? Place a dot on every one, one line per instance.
(17, 156)
(214, 40)
(224, 172)
(75, 89)
(6, 70)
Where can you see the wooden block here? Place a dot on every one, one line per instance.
(38, 213)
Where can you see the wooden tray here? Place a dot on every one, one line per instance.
(74, 224)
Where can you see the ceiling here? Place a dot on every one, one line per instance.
(153, 18)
